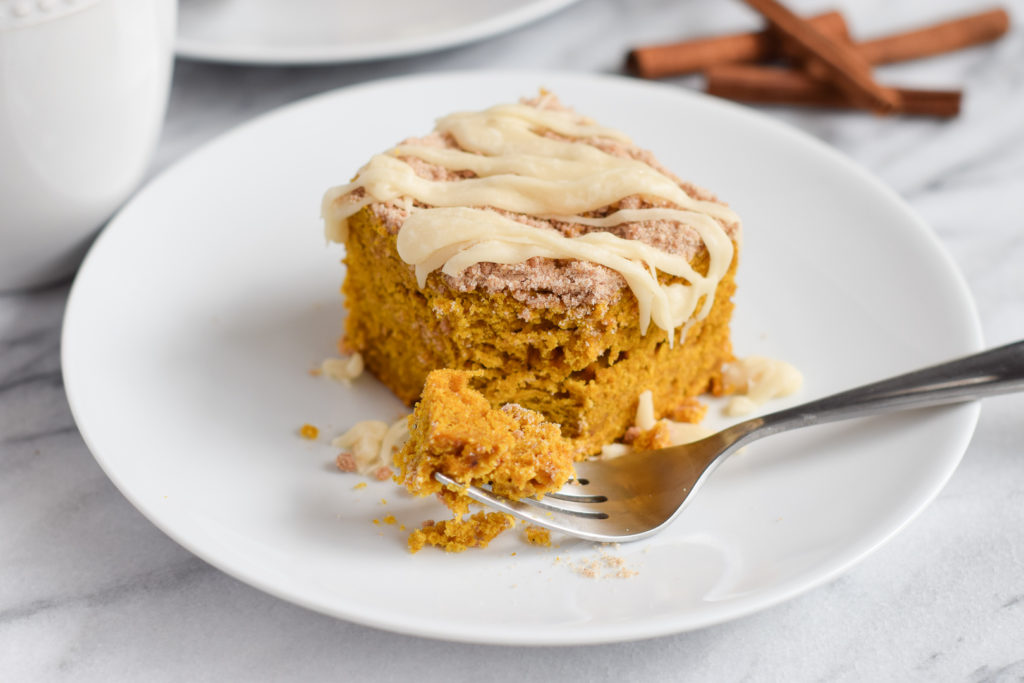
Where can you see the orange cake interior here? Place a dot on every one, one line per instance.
(557, 261)
(456, 431)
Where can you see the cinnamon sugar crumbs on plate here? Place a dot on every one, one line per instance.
(603, 566)
(345, 462)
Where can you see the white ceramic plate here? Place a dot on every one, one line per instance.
(322, 31)
(195, 318)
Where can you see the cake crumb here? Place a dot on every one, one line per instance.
(360, 485)
(536, 535)
(458, 534)
(658, 436)
(390, 519)
(691, 410)
(630, 436)
(308, 431)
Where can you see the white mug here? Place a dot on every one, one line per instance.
(83, 92)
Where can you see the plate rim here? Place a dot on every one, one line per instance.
(518, 17)
(592, 633)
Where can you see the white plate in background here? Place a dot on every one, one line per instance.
(325, 31)
(195, 318)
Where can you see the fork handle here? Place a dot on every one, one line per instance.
(989, 373)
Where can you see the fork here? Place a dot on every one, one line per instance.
(639, 494)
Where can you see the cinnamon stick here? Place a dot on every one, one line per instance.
(837, 61)
(670, 59)
(946, 36)
(779, 85)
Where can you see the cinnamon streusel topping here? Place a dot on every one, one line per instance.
(537, 201)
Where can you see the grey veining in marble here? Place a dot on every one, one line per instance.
(91, 591)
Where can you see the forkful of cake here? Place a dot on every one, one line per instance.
(639, 494)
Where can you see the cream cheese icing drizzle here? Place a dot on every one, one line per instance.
(521, 168)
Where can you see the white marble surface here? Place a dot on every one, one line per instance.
(91, 591)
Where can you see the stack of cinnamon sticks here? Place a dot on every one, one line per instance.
(819, 63)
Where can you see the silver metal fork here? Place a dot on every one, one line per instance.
(637, 495)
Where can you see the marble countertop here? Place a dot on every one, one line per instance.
(91, 591)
